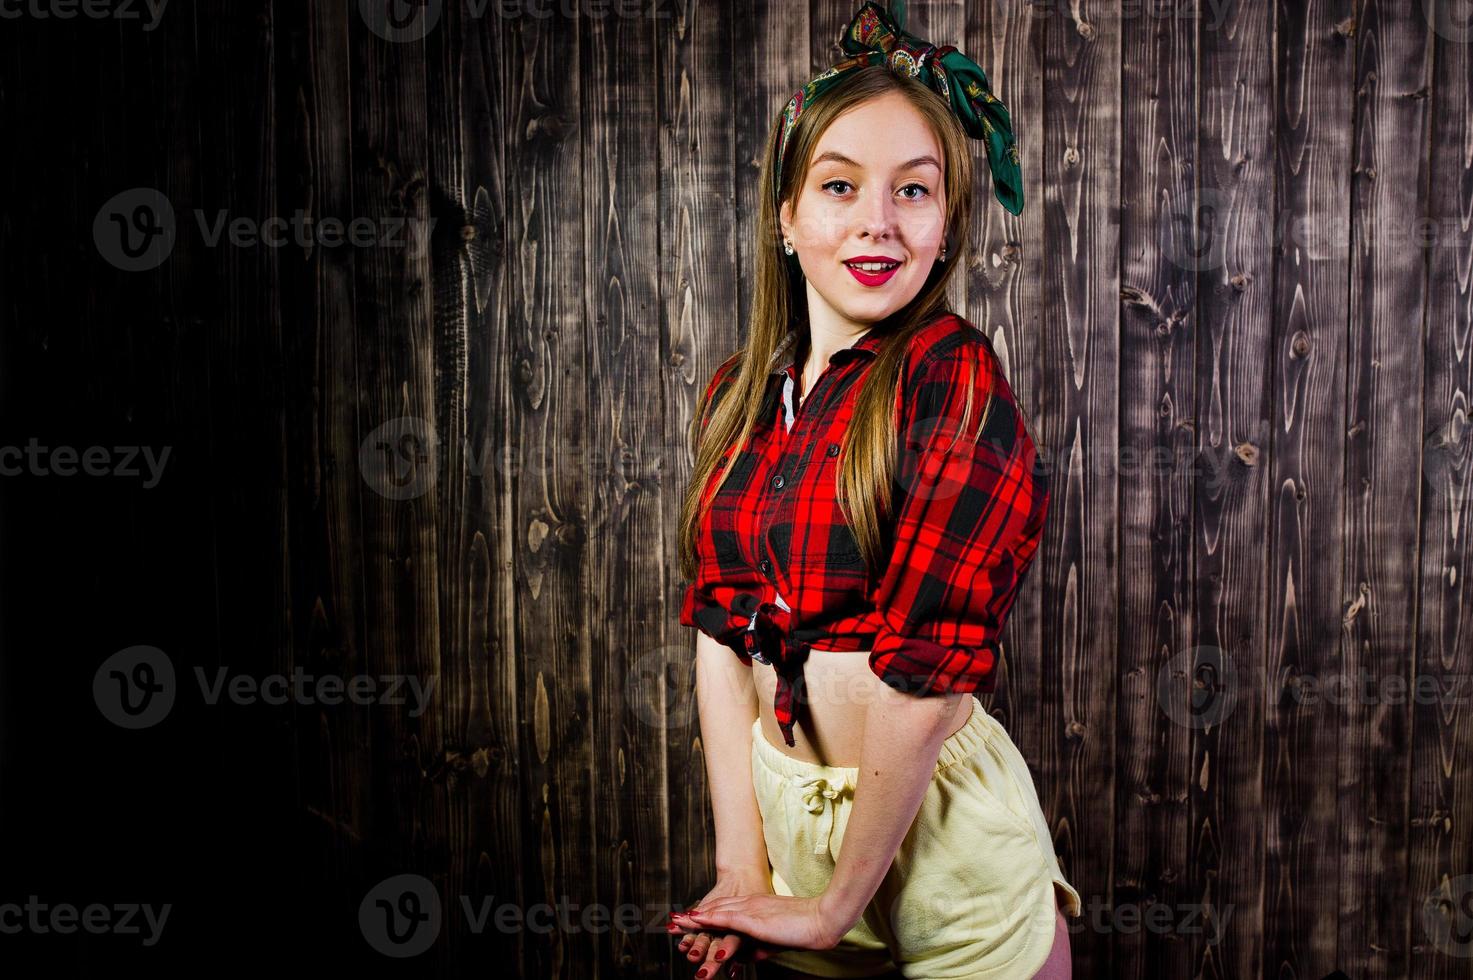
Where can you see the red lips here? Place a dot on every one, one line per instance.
(871, 278)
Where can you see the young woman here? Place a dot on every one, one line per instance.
(865, 504)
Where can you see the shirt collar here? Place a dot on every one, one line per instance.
(783, 356)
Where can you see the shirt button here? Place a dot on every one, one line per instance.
(766, 567)
(777, 482)
(833, 449)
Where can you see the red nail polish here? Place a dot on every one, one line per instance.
(720, 954)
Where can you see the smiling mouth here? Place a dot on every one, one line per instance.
(872, 273)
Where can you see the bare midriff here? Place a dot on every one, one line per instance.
(841, 687)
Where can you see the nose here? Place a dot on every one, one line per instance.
(877, 217)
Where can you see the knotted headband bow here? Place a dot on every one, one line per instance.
(875, 37)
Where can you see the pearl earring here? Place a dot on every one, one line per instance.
(787, 246)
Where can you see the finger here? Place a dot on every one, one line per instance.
(720, 920)
(683, 923)
(697, 951)
(722, 950)
(688, 943)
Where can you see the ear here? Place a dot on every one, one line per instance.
(785, 219)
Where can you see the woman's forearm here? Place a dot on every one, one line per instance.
(903, 735)
(727, 699)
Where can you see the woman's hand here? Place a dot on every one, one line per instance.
(779, 921)
(704, 946)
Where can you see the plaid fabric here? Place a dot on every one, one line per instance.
(967, 515)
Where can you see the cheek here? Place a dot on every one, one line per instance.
(928, 230)
(823, 226)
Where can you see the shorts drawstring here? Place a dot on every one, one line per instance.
(815, 790)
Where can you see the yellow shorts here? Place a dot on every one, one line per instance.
(971, 890)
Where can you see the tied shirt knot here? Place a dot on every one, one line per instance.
(771, 638)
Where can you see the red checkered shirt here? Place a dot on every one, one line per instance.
(779, 570)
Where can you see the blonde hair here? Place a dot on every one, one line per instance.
(779, 303)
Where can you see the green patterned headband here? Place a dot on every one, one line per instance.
(875, 37)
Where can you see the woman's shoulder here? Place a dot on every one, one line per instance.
(955, 362)
(947, 343)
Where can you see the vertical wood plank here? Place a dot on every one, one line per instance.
(999, 292)
(559, 612)
(621, 269)
(771, 60)
(1235, 211)
(1441, 834)
(1384, 367)
(489, 806)
(698, 293)
(321, 439)
(1082, 358)
(1157, 344)
(400, 499)
(1315, 62)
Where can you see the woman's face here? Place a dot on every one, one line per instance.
(875, 189)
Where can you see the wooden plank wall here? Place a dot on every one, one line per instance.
(1237, 306)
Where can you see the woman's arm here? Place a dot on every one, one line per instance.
(903, 735)
(727, 700)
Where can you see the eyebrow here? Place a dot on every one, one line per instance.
(837, 157)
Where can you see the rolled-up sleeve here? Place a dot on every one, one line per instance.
(707, 600)
(970, 505)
